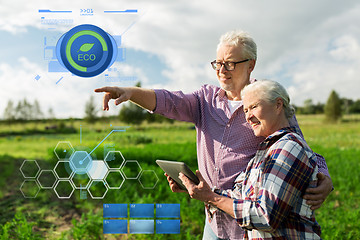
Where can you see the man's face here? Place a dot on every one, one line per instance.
(233, 81)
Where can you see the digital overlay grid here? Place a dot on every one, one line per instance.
(163, 218)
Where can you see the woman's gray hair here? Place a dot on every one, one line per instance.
(270, 91)
(237, 38)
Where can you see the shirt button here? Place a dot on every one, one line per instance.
(222, 146)
(216, 169)
(228, 125)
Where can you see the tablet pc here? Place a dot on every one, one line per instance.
(173, 168)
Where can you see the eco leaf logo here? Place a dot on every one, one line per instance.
(86, 47)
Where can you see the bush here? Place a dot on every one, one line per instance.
(89, 227)
(132, 113)
(19, 228)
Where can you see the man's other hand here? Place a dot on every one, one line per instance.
(316, 196)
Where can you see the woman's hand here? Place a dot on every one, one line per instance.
(173, 185)
(201, 192)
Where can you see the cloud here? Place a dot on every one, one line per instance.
(329, 69)
(67, 98)
(310, 47)
(345, 48)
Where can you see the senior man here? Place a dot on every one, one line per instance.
(225, 142)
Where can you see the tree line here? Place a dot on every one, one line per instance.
(347, 106)
(333, 109)
(130, 113)
(25, 110)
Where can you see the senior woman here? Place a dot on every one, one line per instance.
(267, 199)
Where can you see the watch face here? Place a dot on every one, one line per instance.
(86, 50)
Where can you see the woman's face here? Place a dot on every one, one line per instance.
(263, 116)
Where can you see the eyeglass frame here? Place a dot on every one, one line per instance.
(224, 64)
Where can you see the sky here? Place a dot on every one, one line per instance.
(311, 47)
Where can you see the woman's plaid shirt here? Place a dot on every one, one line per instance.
(268, 195)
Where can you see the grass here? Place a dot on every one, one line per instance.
(340, 145)
(36, 146)
(48, 217)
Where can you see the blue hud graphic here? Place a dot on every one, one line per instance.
(79, 170)
(117, 221)
(86, 50)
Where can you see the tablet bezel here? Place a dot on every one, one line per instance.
(173, 168)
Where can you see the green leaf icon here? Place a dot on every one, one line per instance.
(86, 47)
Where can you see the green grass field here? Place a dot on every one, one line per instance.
(48, 217)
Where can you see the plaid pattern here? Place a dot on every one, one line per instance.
(268, 195)
(225, 141)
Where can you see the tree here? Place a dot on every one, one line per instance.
(9, 112)
(153, 117)
(319, 108)
(333, 107)
(355, 107)
(22, 110)
(132, 113)
(37, 113)
(27, 110)
(51, 114)
(90, 110)
(308, 107)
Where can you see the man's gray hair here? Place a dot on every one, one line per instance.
(270, 91)
(240, 38)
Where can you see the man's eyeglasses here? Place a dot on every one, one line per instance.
(229, 66)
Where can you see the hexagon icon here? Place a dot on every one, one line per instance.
(97, 189)
(64, 189)
(98, 170)
(29, 188)
(114, 179)
(114, 159)
(80, 181)
(148, 179)
(80, 162)
(131, 169)
(63, 150)
(63, 170)
(47, 179)
(29, 168)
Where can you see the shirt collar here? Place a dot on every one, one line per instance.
(278, 134)
(222, 93)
